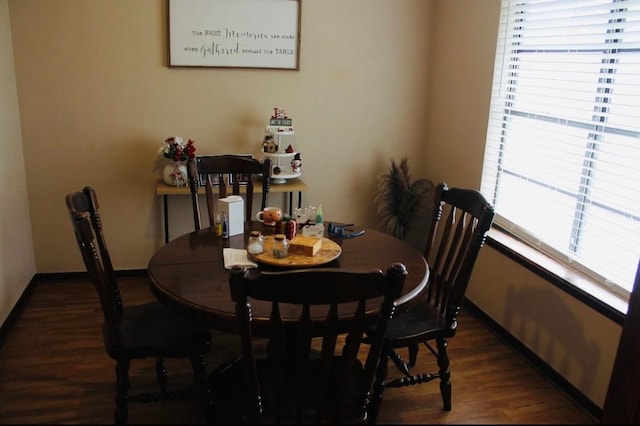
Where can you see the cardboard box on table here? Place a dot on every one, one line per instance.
(233, 208)
(307, 246)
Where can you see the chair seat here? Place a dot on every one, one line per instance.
(230, 392)
(421, 322)
(152, 330)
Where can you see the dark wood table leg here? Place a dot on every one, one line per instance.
(166, 218)
(290, 203)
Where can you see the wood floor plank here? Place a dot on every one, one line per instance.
(54, 370)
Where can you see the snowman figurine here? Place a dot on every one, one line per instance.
(296, 164)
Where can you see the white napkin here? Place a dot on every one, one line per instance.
(237, 257)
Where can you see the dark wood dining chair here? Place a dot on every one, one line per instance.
(229, 173)
(149, 330)
(460, 222)
(311, 373)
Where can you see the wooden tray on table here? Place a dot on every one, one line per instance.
(330, 250)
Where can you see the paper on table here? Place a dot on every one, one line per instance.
(237, 257)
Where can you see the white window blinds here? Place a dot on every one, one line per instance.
(562, 161)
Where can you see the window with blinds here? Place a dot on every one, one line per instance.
(562, 159)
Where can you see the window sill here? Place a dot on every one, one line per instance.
(560, 275)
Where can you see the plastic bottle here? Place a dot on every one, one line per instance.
(319, 215)
(225, 231)
(218, 224)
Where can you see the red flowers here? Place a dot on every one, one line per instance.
(176, 150)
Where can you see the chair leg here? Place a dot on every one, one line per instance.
(122, 392)
(161, 374)
(399, 363)
(445, 374)
(200, 371)
(214, 415)
(413, 355)
(378, 386)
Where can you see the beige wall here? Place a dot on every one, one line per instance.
(17, 264)
(378, 78)
(97, 99)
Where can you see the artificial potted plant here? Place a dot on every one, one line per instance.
(404, 206)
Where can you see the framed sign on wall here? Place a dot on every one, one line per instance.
(235, 33)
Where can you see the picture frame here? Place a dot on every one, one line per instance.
(234, 33)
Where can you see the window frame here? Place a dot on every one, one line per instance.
(572, 282)
(558, 268)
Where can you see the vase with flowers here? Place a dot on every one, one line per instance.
(175, 149)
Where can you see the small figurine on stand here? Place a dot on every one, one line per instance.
(269, 144)
(296, 163)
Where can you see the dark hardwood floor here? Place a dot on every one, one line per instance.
(53, 370)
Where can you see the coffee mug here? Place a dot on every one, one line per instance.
(270, 215)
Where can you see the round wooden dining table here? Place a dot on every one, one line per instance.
(188, 273)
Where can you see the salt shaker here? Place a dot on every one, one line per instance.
(256, 242)
(280, 246)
